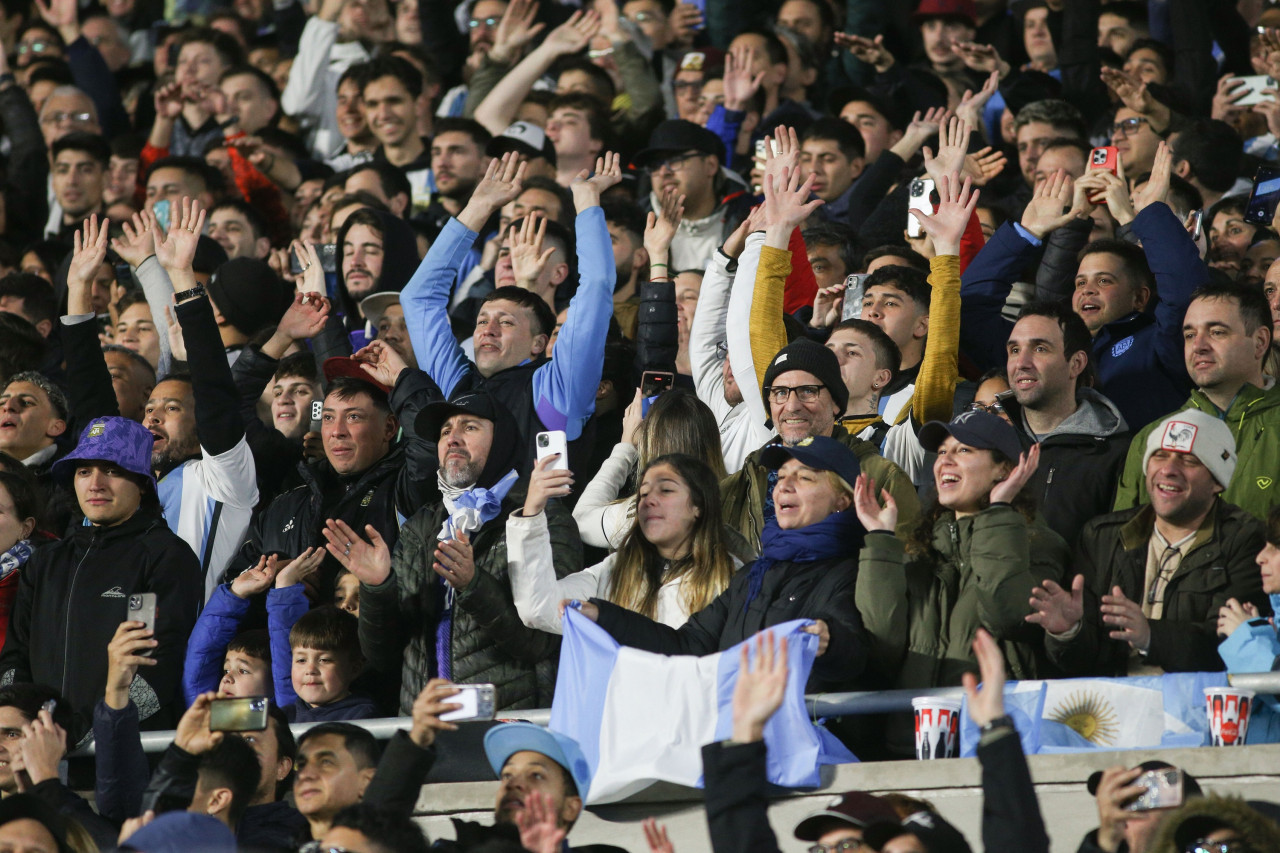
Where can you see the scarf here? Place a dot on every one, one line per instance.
(15, 558)
(837, 535)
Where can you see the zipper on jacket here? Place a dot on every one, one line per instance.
(71, 594)
(1048, 481)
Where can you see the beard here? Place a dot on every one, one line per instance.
(461, 473)
(175, 453)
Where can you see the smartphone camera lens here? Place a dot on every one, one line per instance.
(543, 441)
(135, 603)
(917, 187)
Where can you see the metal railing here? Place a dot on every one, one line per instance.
(819, 704)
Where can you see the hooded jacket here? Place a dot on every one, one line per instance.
(1202, 815)
(399, 260)
(1112, 551)
(73, 595)
(1080, 462)
(1254, 420)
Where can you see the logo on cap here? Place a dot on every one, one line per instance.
(97, 429)
(1179, 436)
(693, 61)
(781, 358)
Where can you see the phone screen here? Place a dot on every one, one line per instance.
(1265, 196)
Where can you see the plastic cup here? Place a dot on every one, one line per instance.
(937, 727)
(1229, 710)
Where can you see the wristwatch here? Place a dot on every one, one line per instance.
(193, 293)
(1001, 722)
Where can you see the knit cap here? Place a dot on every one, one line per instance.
(1200, 434)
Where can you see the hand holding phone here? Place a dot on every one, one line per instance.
(920, 198)
(476, 701)
(553, 442)
(240, 714)
(142, 608)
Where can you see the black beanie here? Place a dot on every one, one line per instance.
(813, 357)
(249, 294)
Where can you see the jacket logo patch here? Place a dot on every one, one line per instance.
(1264, 482)
(1121, 347)
(368, 499)
(114, 592)
(287, 527)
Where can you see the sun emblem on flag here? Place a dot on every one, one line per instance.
(1091, 716)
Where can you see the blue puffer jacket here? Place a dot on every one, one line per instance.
(1254, 647)
(218, 624)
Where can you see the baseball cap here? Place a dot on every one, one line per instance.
(961, 10)
(701, 59)
(121, 441)
(934, 833)
(525, 138)
(503, 741)
(817, 452)
(982, 430)
(375, 305)
(32, 807)
(432, 417)
(1190, 787)
(675, 136)
(345, 367)
(854, 808)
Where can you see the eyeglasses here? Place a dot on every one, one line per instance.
(488, 22)
(840, 846)
(34, 47)
(675, 163)
(1231, 845)
(996, 408)
(60, 117)
(643, 17)
(1127, 126)
(804, 393)
(687, 86)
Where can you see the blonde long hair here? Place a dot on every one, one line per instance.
(638, 573)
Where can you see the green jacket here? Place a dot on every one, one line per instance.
(742, 494)
(1113, 552)
(1254, 420)
(922, 612)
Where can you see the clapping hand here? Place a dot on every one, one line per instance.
(369, 561)
(455, 561)
(1007, 489)
(1233, 614)
(1057, 610)
(870, 513)
(1127, 620)
(947, 225)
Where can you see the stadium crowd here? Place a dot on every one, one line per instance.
(345, 343)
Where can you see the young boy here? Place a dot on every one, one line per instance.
(219, 658)
(321, 653)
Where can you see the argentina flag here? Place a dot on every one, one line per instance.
(642, 717)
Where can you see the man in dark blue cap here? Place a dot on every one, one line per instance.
(74, 593)
(686, 158)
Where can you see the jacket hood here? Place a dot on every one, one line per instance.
(1203, 815)
(1095, 417)
(399, 259)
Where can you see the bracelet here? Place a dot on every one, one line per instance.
(193, 293)
(664, 266)
(1001, 722)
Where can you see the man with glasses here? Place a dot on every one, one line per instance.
(806, 393)
(67, 110)
(686, 157)
(1136, 141)
(1151, 579)
(838, 828)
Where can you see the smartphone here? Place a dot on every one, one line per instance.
(551, 442)
(328, 253)
(1264, 196)
(142, 608)
(921, 199)
(124, 276)
(1105, 158)
(1195, 224)
(242, 714)
(317, 415)
(161, 211)
(1253, 88)
(855, 286)
(1164, 790)
(476, 701)
(655, 382)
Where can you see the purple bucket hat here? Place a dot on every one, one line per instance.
(119, 440)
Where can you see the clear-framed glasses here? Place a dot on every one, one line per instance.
(61, 117)
(677, 162)
(490, 21)
(643, 17)
(804, 393)
(1231, 845)
(33, 47)
(1124, 127)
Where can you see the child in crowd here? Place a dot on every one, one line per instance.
(1250, 642)
(320, 651)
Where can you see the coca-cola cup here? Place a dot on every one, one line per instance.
(1229, 710)
(937, 727)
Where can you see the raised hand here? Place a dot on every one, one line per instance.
(255, 580)
(972, 103)
(785, 159)
(193, 734)
(312, 278)
(574, 34)
(871, 51)
(129, 649)
(660, 229)
(655, 834)
(947, 225)
(177, 250)
(982, 58)
(588, 188)
(870, 513)
(528, 258)
(545, 484)
(740, 85)
(785, 203)
(381, 362)
(540, 830)
(760, 688)
(1157, 186)
(1050, 205)
(88, 252)
(987, 704)
(62, 16)
(953, 148)
(1057, 610)
(304, 318)
(1129, 624)
(921, 128)
(1007, 489)
(298, 569)
(516, 29)
(427, 708)
(984, 165)
(369, 561)
(503, 179)
(139, 241)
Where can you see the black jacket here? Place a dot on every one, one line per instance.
(72, 596)
(736, 786)
(822, 589)
(1011, 817)
(475, 836)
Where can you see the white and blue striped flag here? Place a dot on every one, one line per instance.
(642, 717)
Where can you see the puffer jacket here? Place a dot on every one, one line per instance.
(743, 493)
(1080, 462)
(1188, 823)
(398, 618)
(1113, 552)
(1254, 420)
(922, 612)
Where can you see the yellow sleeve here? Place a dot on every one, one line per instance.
(939, 369)
(768, 334)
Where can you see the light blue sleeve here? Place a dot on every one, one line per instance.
(564, 389)
(284, 607)
(1250, 648)
(425, 300)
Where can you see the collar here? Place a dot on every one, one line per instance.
(901, 380)
(1137, 531)
(41, 456)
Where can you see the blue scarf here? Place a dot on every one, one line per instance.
(14, 558)
(838, 535)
